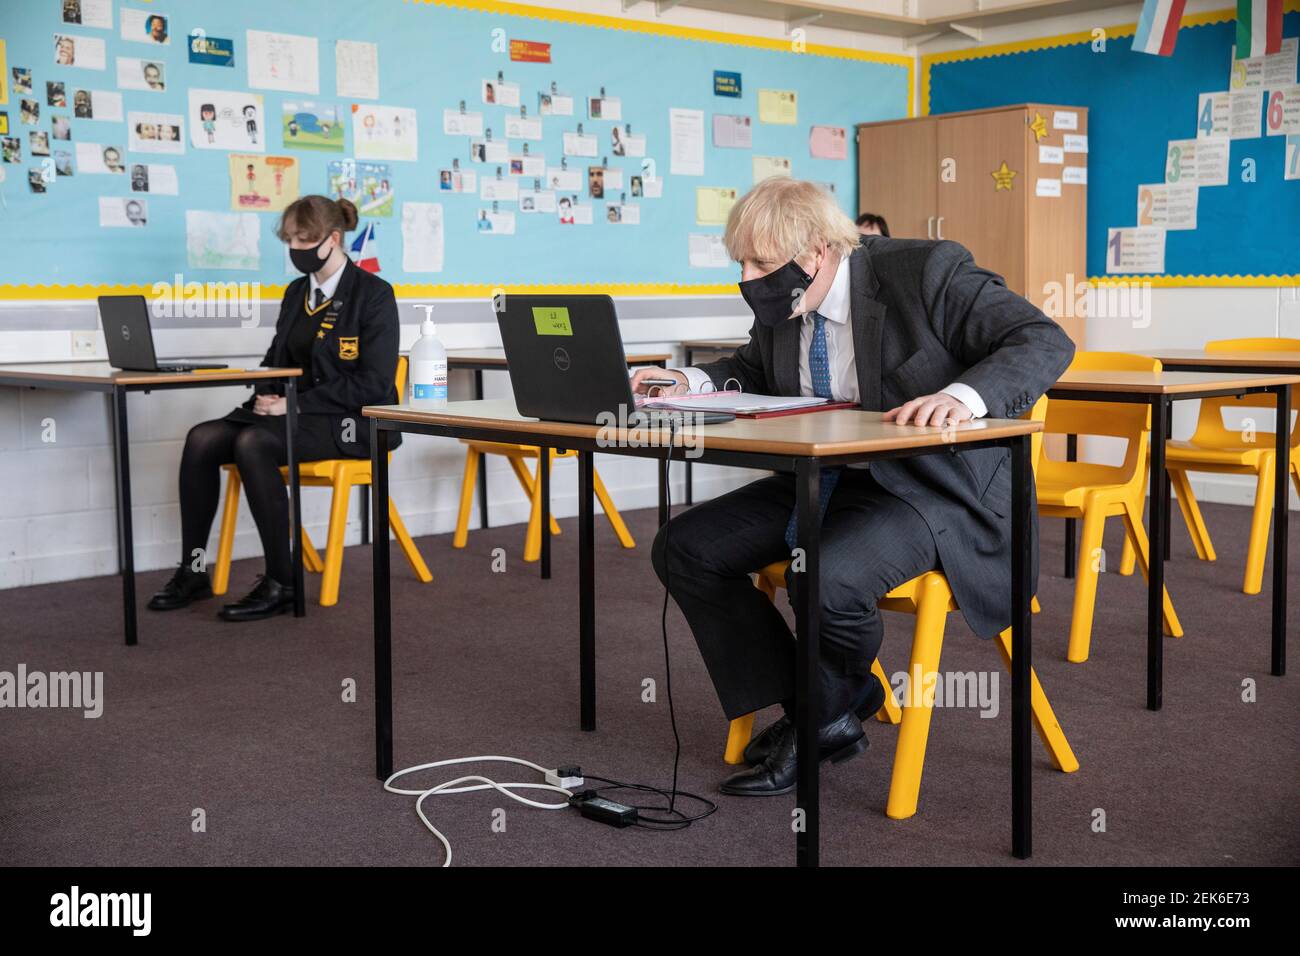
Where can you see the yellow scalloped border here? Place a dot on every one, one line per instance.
(405, 290)
(1085, 36)
(1269, 282)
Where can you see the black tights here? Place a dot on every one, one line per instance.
(257, 451)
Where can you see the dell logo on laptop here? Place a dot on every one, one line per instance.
(126, 334)
(561, 358)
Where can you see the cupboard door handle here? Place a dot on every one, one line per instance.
(940, 233)
(929, 228)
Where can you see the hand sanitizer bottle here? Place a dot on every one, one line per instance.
(428, 365)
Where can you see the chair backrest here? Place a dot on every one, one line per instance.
(1108, 419)
(1210, 427)
(399, 378)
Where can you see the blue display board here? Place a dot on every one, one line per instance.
(1136, 104)
(431, 57)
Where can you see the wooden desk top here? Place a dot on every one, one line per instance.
(497, 357)
(1165, 383)
(719, 344)
(103, 374)
(1272, 360)
(835, 432)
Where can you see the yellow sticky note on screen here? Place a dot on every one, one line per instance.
(778, 106)
(713, 204)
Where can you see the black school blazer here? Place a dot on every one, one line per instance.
(355, 360)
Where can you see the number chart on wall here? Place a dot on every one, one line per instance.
(1195, 171)
(485, 144)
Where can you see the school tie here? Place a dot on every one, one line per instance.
(319, 300)
(819, 369)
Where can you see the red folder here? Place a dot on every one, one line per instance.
(798, 411)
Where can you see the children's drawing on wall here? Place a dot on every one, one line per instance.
(267, 183)
(226, 119)
(368, 186)
(311, 125)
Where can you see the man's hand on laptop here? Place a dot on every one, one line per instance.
(644, 379)
(270, 405)
(937, 410)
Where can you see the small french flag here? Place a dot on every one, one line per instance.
(1157, 29)
(363, 250)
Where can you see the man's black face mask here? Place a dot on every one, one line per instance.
(773, 297)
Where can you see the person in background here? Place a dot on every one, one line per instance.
(913, 329)
(869, 224)
(337, 323)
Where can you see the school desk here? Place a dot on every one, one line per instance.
(479, 361)
(802, 444)
(102, 377)
(1160, 390)
(690, 347)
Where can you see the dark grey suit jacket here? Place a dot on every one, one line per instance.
(924, 316)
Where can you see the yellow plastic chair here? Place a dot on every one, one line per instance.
(930, 599)
(1093, 492)
(340, 474)
(516, 455)
(1215, 448)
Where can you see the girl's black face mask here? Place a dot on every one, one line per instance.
(308, 260)
(773, 297)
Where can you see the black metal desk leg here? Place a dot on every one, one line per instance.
(1168, 485)
(690, 482)
(1156, 552)
(482, 465)
(295, 497)
(1021, 622)
(663, 491)
(586, 590)
(1281, 518)
(364, 491)
(1071, 543)
(382, 604)
(808, 662)
(544, 476)
(125, 534)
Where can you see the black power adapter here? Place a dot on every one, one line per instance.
(595, 807)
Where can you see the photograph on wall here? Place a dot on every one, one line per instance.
(312, 125)
(154, 178)
(87, 53)
(94, 158)
(227, 119)
(155, 133)
(262, 183)
(136, 74)
(123, 212)
(97, 105)
(145, 26)
(88, 13)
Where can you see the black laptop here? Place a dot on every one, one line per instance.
(567, 362)
(129, 337)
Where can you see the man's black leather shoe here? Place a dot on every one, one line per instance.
(267, 599)
(184, 587)
(839, 740)
(758, 748)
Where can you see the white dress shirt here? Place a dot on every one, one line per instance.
(839, 350)
(327, 288)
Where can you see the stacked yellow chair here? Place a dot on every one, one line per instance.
(1215, 448)
(1094, 492)
(517, 455)
(340, 474)
(930, 599)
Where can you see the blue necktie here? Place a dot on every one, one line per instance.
(819, 369)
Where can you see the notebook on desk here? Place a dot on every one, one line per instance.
(738, 403)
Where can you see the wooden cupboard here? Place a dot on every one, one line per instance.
(994, 180)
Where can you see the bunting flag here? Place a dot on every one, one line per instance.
(1259, 27)
(1157, 29)
(364, 253)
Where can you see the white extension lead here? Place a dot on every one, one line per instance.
(478, 783)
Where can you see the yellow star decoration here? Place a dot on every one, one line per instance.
(1002, 177)
(1039, 126)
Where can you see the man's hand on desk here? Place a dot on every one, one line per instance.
(939, 409)
(270, 405)
(640, 385)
